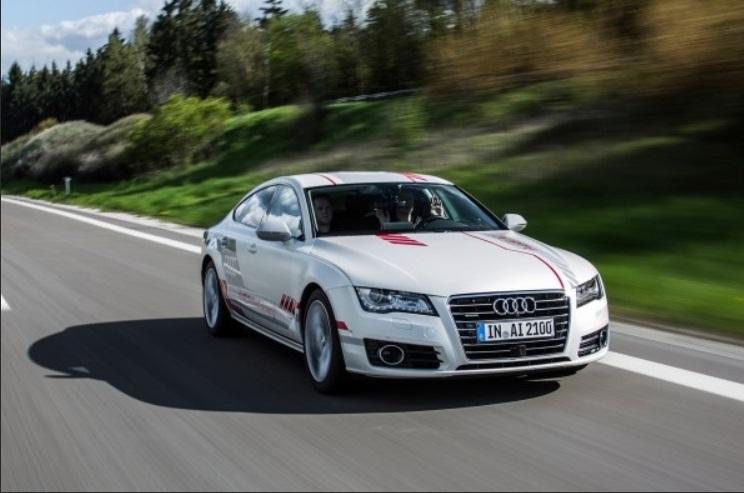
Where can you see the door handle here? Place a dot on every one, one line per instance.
(253, 248)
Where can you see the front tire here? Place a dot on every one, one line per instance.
(217, 318)
(324, 358)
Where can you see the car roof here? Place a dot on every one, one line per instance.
(312, 180)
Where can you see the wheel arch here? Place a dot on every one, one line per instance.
(206, 260)
(311, 287)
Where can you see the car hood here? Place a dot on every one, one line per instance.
(443, 264)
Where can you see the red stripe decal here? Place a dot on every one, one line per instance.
(333, 182)
(555, 273)
(413, 176)
(292, 306)
(398, 239)
(283, 303)
(341, 325)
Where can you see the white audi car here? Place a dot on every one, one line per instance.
(399, 275)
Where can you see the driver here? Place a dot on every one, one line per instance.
(411, 207)
(323, 212)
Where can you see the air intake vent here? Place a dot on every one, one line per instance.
(593, 342)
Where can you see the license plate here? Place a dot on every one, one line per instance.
(509, 330)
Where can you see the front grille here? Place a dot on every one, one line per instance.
(416, 357)
(467, 310)
(593, 342)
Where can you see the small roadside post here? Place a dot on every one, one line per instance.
(67, 185)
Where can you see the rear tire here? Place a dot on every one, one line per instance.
(217, 317)
(324, 359)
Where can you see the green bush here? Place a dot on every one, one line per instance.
(179, 131)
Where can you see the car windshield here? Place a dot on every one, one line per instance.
(371, 208)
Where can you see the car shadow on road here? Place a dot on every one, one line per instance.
(176, 363)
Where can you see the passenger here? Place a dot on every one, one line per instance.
(404, 206)
(323, 212)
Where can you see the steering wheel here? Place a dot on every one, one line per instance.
(426, 221)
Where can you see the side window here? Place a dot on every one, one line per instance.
(252, 210)
(286, 208)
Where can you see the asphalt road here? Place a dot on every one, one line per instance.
(110, 382)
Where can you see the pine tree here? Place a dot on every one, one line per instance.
(13, 102)
(352, 71)
(140, 38)
(182, 47)
(88, 80)
(272, 9)
(394, 46)
(165, 76)
(123, 84)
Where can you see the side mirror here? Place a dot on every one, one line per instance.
(274, 231)
(515, 222)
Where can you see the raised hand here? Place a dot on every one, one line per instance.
(437, 208)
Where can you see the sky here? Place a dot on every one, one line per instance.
(37, 32)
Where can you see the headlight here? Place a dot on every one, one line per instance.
(386, 301)
(589, 291)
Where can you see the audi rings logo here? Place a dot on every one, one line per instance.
(520, 305)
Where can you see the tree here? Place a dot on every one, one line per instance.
(123, 84)
(211, 22)
(272, 9)
(241, 65)
(67, 94)
(88, 79)
(139, 40)
(183, 45)
(14, 101)
(394, 43)
(303, 65)
(165, 75)
(353, 72)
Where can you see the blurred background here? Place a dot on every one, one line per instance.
(615, 126)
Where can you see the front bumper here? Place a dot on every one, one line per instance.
(440, 333)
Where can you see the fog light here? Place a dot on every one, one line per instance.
(603, 337)
(391, 355)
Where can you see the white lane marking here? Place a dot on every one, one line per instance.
(705, 383)
(123, 216)
(102, 224)
(685, 341)
(4, 306)
(686, 378)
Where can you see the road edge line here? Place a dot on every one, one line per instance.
(180, 245)
(678, 376)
